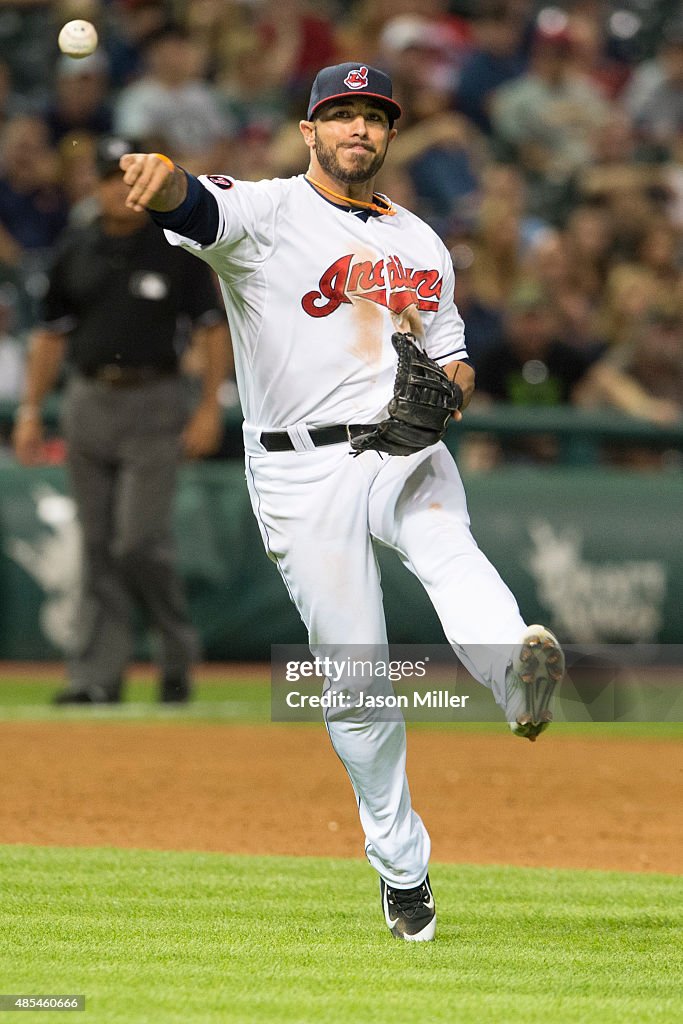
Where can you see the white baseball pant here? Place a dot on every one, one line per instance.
(321, 512)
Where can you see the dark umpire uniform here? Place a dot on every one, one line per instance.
(125, 303)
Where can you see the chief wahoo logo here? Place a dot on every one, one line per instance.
(357, 79)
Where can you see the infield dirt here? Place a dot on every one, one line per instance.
(486, 799)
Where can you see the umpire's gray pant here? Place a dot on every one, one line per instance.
(123, 454)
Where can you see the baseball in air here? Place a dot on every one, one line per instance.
(78, 39)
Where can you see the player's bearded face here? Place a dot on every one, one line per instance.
(348, 166)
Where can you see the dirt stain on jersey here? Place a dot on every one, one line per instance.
(409, 321)
(368, 320)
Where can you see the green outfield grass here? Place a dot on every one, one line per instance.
(182, 937)
(238, 699)
(220, 699)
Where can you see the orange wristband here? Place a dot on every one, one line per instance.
(165, 160)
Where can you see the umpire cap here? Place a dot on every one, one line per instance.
(352, 79)
(108, 152)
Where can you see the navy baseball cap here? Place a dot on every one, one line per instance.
(352, 79)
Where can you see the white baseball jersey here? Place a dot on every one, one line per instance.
(313, 294)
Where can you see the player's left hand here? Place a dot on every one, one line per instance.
(424, 399)
(203, 433)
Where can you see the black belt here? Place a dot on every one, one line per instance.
(126, 376)
(280, 441)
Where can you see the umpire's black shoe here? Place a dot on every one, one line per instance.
(175, 690)
(94, 695)
(410, 913)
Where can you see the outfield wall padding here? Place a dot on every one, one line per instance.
(596, 554)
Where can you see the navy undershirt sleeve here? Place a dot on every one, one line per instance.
(467, 361)
(195, 218)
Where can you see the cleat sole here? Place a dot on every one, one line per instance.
(539, 666)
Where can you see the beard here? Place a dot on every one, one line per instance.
(363, 171)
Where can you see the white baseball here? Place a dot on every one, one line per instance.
(78, 38)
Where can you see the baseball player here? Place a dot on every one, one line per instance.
(325, 283)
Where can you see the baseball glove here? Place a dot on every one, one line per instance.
(424, 400)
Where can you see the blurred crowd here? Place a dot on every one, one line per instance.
(543, 143)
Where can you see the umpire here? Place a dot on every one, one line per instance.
(120, 307)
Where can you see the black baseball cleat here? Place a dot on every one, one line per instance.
(410, 913)
(175, 690)
(93, 695)
(536, 671)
